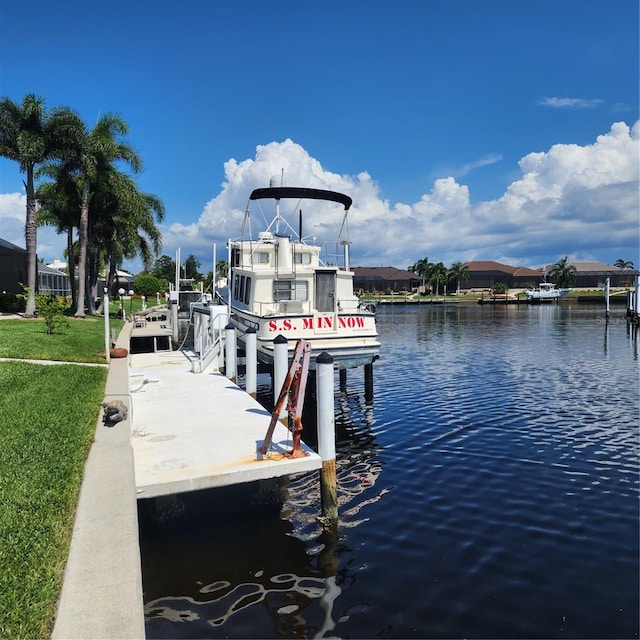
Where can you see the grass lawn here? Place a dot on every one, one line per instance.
(82, 340)
(48, 416)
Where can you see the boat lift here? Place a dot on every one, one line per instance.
(293, 391)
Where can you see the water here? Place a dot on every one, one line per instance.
(490, 490)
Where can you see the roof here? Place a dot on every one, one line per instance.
(5, 244)
(489, 265)
(301, 192)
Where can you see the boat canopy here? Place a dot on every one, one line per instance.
(301, 192)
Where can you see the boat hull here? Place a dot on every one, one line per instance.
(350, 339)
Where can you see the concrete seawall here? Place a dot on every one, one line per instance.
(102, 590)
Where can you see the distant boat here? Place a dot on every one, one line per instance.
(280, 285)
(546, 292)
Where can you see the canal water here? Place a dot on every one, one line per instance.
(489, 490)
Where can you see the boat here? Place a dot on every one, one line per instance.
(546, 292)
(280, 285)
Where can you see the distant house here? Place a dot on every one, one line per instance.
(592, 275)
(483, 274)
(13, 267)
(377, 279)
(13, 273)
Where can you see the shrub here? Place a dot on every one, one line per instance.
(147, 285)
(52, 309)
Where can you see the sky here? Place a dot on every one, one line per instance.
(462, 129)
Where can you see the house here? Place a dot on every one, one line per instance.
(483, 274)
(13, 267)
(13, 273)
(377, 279)
(592, 275)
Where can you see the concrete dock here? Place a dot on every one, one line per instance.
(184, 431)
(193, 431)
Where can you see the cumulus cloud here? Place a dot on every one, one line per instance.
(569, 198)
(574, 200)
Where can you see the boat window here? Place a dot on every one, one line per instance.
(302, 258)
(290, 290)
(235, 257)
(261, 257)
(247, 290)
(241, 290)
(236, 284)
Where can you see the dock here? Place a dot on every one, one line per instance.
(192, 431)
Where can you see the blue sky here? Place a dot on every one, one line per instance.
(463, 129)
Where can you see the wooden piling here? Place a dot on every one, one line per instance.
(230, 352)
(368, 381)
(607, 286)
(251, 362)
(326, 437)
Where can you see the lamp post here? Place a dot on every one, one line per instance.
(121, 310)
(130, 302)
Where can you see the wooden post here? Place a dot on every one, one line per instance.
(343, 378)
(251, 360)
(327, 437)
(230, 352)
(368, 381)
(607, 284)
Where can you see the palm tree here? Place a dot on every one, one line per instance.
(95, 153)
(222, 268)
(122, 227)
(59, 208)
(623, 264)
(421, 268)
(437, 274)
(563, 273)
(31, 134)
(458, 271)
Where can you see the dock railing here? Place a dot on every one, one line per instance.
(209, 323)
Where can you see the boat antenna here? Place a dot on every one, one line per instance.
(300, 225)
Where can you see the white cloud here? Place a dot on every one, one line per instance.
(569, 200)
(570, 103)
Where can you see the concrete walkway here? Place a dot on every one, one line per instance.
(102, 590)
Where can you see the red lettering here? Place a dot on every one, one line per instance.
(307, 323)
(286, 325)
(325, 322)
(273, 325)
(351, 322)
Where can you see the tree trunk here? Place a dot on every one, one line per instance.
(92, 277)
(31, 240)
(71, 268)
(82, 261)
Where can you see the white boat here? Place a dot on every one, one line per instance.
(280, 285)
(546, 291)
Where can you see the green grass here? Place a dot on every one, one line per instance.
(82, 340)
(48, 416)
